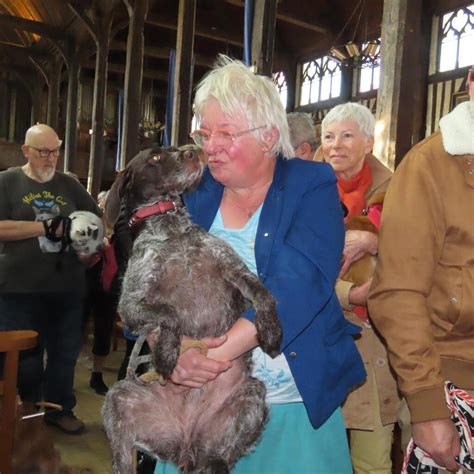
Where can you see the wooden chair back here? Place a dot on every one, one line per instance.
(11, 343)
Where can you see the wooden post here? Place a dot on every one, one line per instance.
(401, 81)
(70, 148)
(347, 78)
(98, 23)
(133, 80)
(183, 78)
(263, 36)
(96, 160)
(12, 115)
(3, 109)
(53, 94)
(37, 96)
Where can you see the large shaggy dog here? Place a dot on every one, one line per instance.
(183, 281)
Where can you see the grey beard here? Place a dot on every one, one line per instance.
(45, 175)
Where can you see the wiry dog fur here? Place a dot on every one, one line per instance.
(183, 281)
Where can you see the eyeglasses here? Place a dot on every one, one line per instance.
(203, 137)
(45, 152)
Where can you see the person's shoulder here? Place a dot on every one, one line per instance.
(427, 148)
(304, 171)
(14, 170)
(428, 154)
(10, 174)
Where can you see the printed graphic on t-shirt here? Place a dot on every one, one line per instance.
(45, 205)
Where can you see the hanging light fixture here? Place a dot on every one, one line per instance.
(352, 53)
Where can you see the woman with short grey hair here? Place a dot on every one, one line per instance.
(370, 411)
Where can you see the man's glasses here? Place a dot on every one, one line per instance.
(202, 137)
(45, 152)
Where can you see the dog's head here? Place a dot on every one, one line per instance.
(154, 174)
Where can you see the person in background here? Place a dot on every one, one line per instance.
(370, 411)
(41, 283)
(302, 135)
(283, 217)
(101, 303)
(422, 296)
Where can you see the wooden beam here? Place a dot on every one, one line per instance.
(401, 90)
(3, 109)
(288, 19)
(263, 36)
(183, 77)
(133, 81)
(162, 53)
(120, 69)
(203, 32)
(37, 27)
(24, 50)
(70, 147)
(53, 93)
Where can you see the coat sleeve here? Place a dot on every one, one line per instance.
(410, 246)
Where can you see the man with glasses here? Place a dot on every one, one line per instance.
(41, 283)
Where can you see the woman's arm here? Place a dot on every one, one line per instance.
(194, 369)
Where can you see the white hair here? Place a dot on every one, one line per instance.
(358, 113)
(237, 89)
(302, 130)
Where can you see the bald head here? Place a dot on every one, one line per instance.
(37, 134)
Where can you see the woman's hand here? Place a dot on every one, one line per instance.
(358, 294)
(357, 244)
(194, 369)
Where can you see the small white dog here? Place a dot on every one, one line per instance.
(87, 232)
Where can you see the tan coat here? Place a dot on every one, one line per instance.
(358, 409)
(422, 297)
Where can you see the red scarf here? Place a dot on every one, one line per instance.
(352, 191)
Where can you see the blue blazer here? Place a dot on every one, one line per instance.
(298, 251)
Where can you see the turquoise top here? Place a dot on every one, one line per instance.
(275, 373)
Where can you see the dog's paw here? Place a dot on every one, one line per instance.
(165, 357)
(269, 332)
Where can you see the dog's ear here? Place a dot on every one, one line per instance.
(114, 199)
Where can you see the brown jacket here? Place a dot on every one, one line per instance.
(422, 297)
(358, 408)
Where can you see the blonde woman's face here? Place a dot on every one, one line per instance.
(239, 162)
(344, 147)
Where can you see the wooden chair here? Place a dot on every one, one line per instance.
(11, 343)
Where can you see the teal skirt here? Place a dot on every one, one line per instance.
(290, 445)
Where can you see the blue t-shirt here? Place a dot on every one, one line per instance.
(275, 373)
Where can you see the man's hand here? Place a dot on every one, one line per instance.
(194, 369)
(357, 244)
(440, 440)
(358, 294)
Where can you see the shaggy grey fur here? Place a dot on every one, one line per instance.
(183, 281)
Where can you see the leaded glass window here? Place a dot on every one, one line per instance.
(457, 39)
(320, 80)
(281, 84)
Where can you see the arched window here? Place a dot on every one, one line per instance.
(281, 84)
(457, 39)
(320, 80)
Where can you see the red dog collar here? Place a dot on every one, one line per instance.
(160, 207)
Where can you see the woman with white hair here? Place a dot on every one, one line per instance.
(283, 217)
(370, 411)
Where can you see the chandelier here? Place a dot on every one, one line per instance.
(366, 53)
